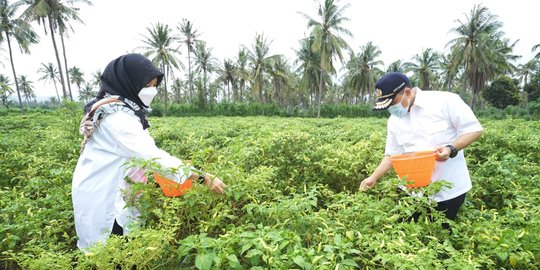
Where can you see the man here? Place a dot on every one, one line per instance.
(423, 120)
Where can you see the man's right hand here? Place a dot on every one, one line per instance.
(367, 183)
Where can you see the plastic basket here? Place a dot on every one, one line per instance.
(171, 188)
(417, 167)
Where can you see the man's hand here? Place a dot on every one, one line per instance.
(443, 153)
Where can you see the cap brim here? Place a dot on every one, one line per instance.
(383, 104)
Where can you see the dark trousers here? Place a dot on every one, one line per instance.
(117, 229)
(449, 207)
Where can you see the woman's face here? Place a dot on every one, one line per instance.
(152, 83)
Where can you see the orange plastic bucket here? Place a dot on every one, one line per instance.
(170, 188)
(417, 167)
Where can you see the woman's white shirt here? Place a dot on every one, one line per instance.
(98, 179)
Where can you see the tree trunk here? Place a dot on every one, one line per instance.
(60, 71)
(66, 64)
(56, 88)
(190, 79)
(319, 95)
(14, 73)
(165, 93)
(261, 85)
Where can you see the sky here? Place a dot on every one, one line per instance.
(401, 29)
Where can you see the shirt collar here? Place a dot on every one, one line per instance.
(420, 100)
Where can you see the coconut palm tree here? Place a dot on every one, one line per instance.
(77, 77)
(363, 70)
(45, 12)
(425, 67)
(526, 71)
(5, 90)
(159, 46)
(87, 92)
(327, 40)
(537, 56)
(50, 74)
(189, 37)
(205, 63)
(260, 62)
(19, 30)
(396, 66)
(228, 77)
(96, 78)
(177, 89)
(27, 88)
(477, 49)
(64, 15)
(242, 72)
(280, 75)
(308, 63)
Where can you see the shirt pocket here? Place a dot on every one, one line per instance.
(439, 132)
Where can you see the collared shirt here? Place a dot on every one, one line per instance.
(98, 179)
(436, 118)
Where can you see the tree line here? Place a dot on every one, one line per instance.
(479, 55)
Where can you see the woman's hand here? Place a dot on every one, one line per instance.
(367, 183)
(214, 184)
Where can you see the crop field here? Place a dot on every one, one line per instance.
(292, 200)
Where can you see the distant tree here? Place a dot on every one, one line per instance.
(396, 66)
(281, 78)
(242, 72)
(87, 93)
(18, 29)
(479, 50)
(533, 88)
(96, 78)
(308, 63)
(77, 77)
(5, 90)
(177, 87)
(227, 76)
(160, 47)
(425, 66)
(327, 40)
(27, 88)
(189, 37)
(50, 74)
(363, 70)
(537, 56)
(205, 63)
(67, 12)
(502, 92)
(260, 62)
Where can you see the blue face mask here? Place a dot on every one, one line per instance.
(398, 109)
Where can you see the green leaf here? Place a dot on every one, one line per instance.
(204, 261)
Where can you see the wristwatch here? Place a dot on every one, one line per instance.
(200, 179)
(453, 151)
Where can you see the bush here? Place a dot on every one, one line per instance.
(502, 92)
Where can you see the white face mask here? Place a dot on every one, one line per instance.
(398, 109)
(147, 94)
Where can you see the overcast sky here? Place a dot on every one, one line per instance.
(400, 29)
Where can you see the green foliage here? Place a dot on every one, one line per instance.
(256, 109)
(291, 201)
(533, 88)
(502, 92)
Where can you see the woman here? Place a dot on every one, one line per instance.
(116, 130)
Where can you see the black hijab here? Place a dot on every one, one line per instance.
(126, 76)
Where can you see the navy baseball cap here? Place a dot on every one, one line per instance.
(387, 87)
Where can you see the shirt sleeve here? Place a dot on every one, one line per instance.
(132, 141)
(392, 147)
(461, 116)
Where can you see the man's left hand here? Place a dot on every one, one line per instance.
(443, 153)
